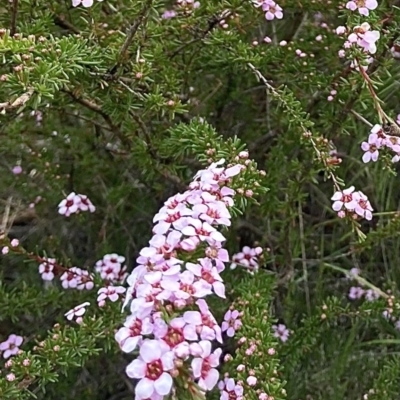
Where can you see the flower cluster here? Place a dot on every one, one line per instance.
(248, 258)
(378, 140)
(357, 292)
(11, 346)
(364, 38)
(348, 202)
(74, 203)
(77, 278)
(270, 8)
(111, 268)
(170, 320)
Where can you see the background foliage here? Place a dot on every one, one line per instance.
(113, 103)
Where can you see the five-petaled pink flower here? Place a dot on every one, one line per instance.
(11, 346)
(46, 269)
(344, 198)
(363, 6)
(281, 332)
(371, 149)
(272, 10)
(152, 366)
(231, 322)
(230, 390)
(363, 207)
(204, 367)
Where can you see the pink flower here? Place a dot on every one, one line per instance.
(204, 366)
(363, 207)
(190, 287)
(85, 204)
(168, 218)
(356, 293)
(84, 280)
(178, 330)
(70, 279)
(203, 231)
(340, 30)
(111, 269)
(272, 10)
(205, 271)
(230, 390)
(11, 346)
(77, 312)
(46, 269)
(131, 333)
(251, 380)
(371, 295)
(371, 151)
(168, 14)
(281, 332)
(219, 255)
(215, 213)
(155, 359)
(363, 6)
(364, 37)
(231, 322)
(247, 258)
(166, 244)
(69, 205)
(392, 142)
(110, 292)
(345, 198)
(74, 203)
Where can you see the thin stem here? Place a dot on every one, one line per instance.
(303, 256)
(14, 13)
(133, 29)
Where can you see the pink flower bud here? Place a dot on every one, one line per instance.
(17, 170)
(10, 377)
(251, 380)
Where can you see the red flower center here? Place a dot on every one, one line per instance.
(136, 328)
(346, 198)
(174, 336)
(154, 370)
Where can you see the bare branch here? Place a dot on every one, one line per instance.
(133, 29)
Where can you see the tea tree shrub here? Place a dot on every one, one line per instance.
(199, 199)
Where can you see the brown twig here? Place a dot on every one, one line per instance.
(14, 13)
(91, 105)
(62, 22)
(132, 32)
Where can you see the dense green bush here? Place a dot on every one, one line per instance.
(124, 102)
